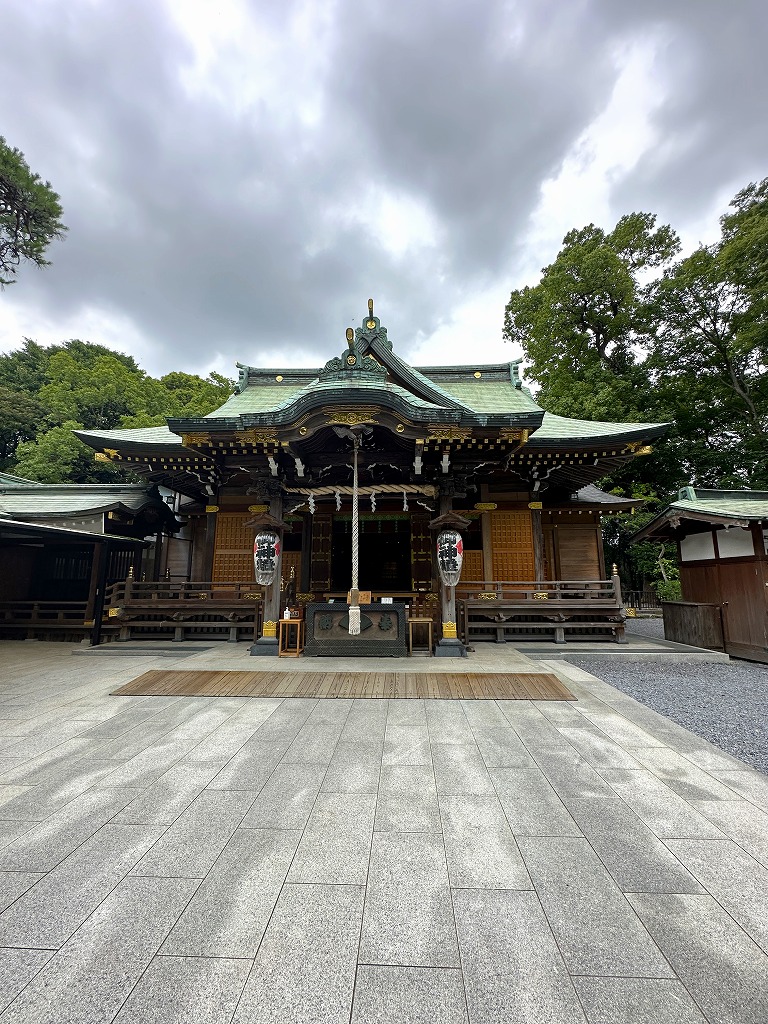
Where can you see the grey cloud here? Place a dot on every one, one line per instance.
(217, 231)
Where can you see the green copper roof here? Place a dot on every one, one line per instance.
(137, 435)
(7, 480)
(261, 398)
(257, 398)
(491, 396)
(729, 504)
(42, 500)
(562, 428)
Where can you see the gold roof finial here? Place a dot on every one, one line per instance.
(370, 307)
(350, 336)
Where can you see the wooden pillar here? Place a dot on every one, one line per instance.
(538, 544)
(209, 545)
(99, 553)
(156, 563)
(99, 574)
(304, 583)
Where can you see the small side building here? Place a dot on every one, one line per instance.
(62, 545)
(722, 538)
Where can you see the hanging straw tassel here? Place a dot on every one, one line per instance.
(354, 610)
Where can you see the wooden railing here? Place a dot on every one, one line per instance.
(493, 610)
(196, 610)
(44, 618)
(167, 590)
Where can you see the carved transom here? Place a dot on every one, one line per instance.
(352, 415)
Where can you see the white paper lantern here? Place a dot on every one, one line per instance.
(450, 555)
(266, 552)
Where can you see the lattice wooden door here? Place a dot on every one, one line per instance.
(512, 544)
(421, 552)
(233, 549)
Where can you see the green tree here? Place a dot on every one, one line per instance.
(708, 319)
(30, 214)
(45, 390)
(57, 456)
(581, 326)
(20, 418)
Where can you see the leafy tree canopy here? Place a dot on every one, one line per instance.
(46, 392)
(30, 214)
(616, 330)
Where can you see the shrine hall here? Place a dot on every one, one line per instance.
(370, 457)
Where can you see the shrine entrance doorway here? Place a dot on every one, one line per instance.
(385, 552)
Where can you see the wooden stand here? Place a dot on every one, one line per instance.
(291, 644)
(419, 622)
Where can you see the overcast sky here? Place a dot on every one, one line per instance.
(238, 177)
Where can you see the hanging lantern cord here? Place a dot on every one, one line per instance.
(354, 609)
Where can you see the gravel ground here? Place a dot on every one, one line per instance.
(724, 703)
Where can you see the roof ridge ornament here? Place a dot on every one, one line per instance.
(357, 361)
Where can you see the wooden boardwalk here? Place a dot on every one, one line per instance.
(444, 685)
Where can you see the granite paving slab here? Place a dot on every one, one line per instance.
(418, 995)
(407, 800)
(229, 912)
(189, 848)
(668, 815)
(735, 879)
(741, 821)
(336, 843)
(513, 970)
(637, 1001)
(14, 884)
(287, 799)
(459, 768)
(501, 747)
(408, 917)
(46, 844)
(90, 976)
(637, 860)
(597, 931)
(17, 968)
(725, 972)
(177, 990)
(46, 915)
(355, 767)
(306, 965)
(530, 803)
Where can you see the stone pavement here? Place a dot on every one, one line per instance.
(219, 859)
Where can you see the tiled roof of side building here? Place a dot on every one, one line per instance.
(138, 435)
(63, 499)
(739, 504)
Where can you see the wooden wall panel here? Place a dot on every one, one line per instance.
(578, 552)
(233, 551)
(472, 568)
(291, 560)
(512, 543)
(422, 540)
(321, 552)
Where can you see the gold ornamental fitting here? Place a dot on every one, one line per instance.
(269, 628)
(486, 506)
(449, 631)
